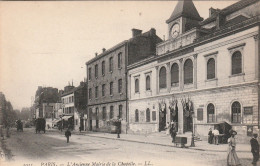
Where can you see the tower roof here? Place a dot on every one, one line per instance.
(185, 8)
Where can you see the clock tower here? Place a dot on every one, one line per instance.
(183, 18)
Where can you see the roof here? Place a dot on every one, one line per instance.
(185, 8)
(72, 90)
(230, 9)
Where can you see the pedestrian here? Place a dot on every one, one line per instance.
(80, 129)
(232, 159)
(168, 127)
(216, 134)
(210, 136)
(173, 132)
(67, 135)
(254, 149)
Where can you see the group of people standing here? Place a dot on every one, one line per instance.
(172, 129)
(232, 158)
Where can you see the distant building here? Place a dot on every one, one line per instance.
(74, 105)
(206, 72)
(107, 80)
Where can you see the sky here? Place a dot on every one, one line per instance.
(47, 43)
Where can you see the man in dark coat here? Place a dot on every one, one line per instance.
(173, 132)
(254, 148)
(68, 134)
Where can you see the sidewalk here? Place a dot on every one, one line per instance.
(165, 140)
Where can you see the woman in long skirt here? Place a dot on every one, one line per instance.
(232, 159)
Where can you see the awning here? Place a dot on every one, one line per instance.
(66, 117)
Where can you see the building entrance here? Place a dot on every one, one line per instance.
(162, 117)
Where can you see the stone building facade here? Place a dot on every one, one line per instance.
(106, 73)
(202, 75)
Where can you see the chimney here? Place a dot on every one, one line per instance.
(220, 20)
(81, 83)
(103, 49)
(212, 11)
(152, 32)
(96, 54)
(136, 32)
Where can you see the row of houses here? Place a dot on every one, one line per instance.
(206, 72)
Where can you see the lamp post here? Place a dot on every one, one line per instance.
(192, 136)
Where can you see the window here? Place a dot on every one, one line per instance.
(148, 118)
(136, 115)
(236, 112)
(103, 89)
(90, 93)
(103, 68)
(120, 86)
(97, 112)
(96, 92)
(96, 70)
(90, 113)
(111, 64)
(148, 84)
(162, 78)
(111, 88)
(211, 68)
(154, 115)
(120, 109)
(89, 73)
(111, 115)
(236, 63)
(248, 115)
(211, 113)
(72, 99)
(119, 57)
(174, 74)
(136, 85)
(188, 72)
(104, 113)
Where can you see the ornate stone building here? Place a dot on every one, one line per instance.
(206, 72)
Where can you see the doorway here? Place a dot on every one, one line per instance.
(162, 118)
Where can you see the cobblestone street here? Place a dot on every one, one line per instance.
(38, 149)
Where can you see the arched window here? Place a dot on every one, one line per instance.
(90, 113)
(136, 115)
(188, 72)
(236, 63)
(104, 113)
(103, 67)
(136, 85)
(236, 112)
(148, 117)
(97, 112)
(162, 78)
(174, 74)
(211, 68)
(211, 113)
(148, 84)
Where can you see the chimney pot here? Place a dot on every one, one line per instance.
(152, 32)
(136, 32)
(103, 49)
(96, 54)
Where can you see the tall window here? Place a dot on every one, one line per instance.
(97, 112)
(211, 68)
(96, 70)
(111, 113)
(119, 59)
(90, 113)
(103, 68)
(96, 92)
(90, 93)
(237, 63)
(174, 74)
(236, 112)
(120, 86)
(136, 115)
(136, 85)
(111, 64)
(89, 73)
(120, 109)
(148, 117)
(111, 88)
(148, 84)
(103, 89)
(188, 72)
(104, 113)
(162, 78)
(211, 113)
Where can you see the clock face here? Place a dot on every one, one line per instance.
(175, 30)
